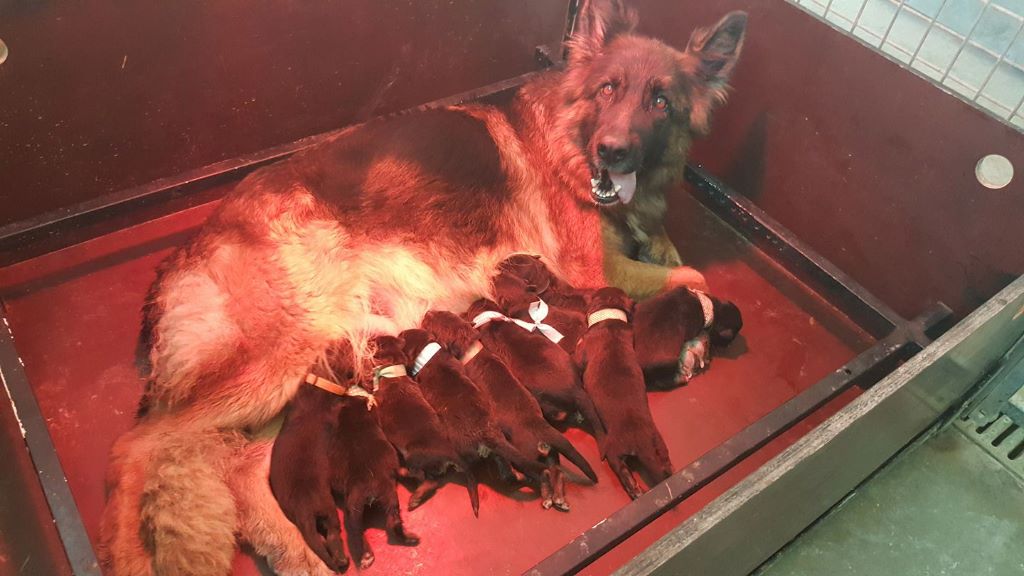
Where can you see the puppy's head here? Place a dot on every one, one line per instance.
(450, 331)
(512, 292)
(727, 323)
(481, 305)
(610, 297)
(389, 350)
(414, 339)
(530, 269)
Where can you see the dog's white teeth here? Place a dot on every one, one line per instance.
(594, 182)
(618, 188)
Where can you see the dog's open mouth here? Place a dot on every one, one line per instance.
(611, 187)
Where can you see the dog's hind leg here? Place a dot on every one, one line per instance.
(655, 460)
(262, 523)
(533, 469)
(355, 507)
(395, 526)
(618, 463)
(562, 445)
(423, 492)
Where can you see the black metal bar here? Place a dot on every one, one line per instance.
(871, 365)
(839, 288)
(68, 226)
(65, 514)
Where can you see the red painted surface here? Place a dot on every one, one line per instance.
(167, 87)
(75, 317)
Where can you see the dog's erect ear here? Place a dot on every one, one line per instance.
(710, 57)
(597, 22)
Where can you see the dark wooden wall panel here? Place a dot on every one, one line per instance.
(870, 164)
(102, 95)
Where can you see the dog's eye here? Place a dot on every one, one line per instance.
(607, 89)
(660, 103)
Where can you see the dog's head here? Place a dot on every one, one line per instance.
(637, 102)
(530, 269)
(727, 322)
(479, 306)
(450, 331)
(610, 297)
(389, 350)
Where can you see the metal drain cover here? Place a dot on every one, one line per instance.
(1002, 439)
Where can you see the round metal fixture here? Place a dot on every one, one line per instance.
(994, 171)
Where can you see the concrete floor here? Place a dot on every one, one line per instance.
(944, 508)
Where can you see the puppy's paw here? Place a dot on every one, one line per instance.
(694, 358)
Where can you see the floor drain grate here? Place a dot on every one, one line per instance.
(1002, 438)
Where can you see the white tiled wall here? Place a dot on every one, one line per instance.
(972, 48)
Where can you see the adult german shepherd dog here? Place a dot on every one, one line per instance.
(361, 235)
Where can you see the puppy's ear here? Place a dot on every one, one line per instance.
(597, 23)
(710, 58)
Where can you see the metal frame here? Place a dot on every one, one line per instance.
(898, 339)
(72, 533)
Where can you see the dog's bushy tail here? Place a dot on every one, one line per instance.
(169, 509)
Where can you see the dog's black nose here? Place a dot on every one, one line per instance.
(612, 151)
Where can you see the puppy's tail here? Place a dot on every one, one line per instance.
(586, 407)
(533, 469)
(474, 492)
(562, 445)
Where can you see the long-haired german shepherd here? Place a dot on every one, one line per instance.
(364, 233)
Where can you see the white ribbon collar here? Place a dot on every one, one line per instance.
(538, 311)
(354, 390)
(425, 356)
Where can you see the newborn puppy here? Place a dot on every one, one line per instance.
(518, 413)
(519, 300)
(555, 291)
(544, 368)
(413, 427)
(364, 468)
(466, 413)
(614, 380)
(300, 466)
(678, 320)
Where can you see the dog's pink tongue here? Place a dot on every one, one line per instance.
(624, 185)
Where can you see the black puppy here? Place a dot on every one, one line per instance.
(544, 368)
(466, 413)
(300, 463)
(518, 413)
(612, 377)
(413, 427)
(681, 319)
(364, 468)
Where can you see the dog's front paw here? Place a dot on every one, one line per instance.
(686, 277)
